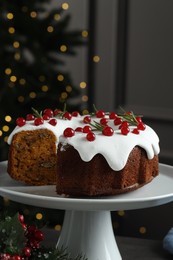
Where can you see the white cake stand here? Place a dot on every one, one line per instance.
(87, 227)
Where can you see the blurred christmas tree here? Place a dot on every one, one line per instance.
(34, 38)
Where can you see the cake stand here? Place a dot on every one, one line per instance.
(87, 227)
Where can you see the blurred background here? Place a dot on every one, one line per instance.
(108, 53)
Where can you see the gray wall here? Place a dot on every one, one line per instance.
(149, 63)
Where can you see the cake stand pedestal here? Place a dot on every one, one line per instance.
(87, 227)
(89, 233)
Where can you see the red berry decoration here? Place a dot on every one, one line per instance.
(30, 117)
(124, 124)
(38, 235)
(69, 132)
(24, 226)
(112, 115)
(16, 257)
(31, 229)
(49, 112)
(129, 113)
(104, 121)
(139, 119)
(87, 129)
(27, 251)
(57, 112)
(100, 113)
(38, 121)
(79, 129)
(46, 117)
(117, 121)
(107, 131)
(20, 121)
(87, 119)
(53, 121)
(75, 114)
(90, 137)
(135, 131)
(67, 115)
(21, 218)
(125, 130)
(141, 126)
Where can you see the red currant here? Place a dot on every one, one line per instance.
(20, 121)
(46, 117)
(117, 121)
(104, 121)
(125, 130)
(16, 257)
(38, 121)
(90, 137)
(30, 117)
(21, 218)
(87, 129)
(79, 129)
(67, 115)
(112, 115)
(87, 119)
(69, 132)
(31, 229)
(100, 113)
(139, 119)
(57, 111)
(27, 251)
(124, 124)
(53, 121)
(48, 112)
(75, 113)
(108, 131)
(38, 235)
(141, 126)
(129, 113)
(24, 226)
(135, 131)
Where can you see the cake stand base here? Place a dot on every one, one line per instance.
(89, 233)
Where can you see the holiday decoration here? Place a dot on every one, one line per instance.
(19, 241)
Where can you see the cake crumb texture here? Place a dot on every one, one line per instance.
(32, 157)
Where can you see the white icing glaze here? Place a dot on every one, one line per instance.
(57, 129)
(116, 148)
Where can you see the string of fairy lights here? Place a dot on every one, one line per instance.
(13, 79)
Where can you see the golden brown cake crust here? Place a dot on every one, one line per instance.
(78, 178)
(32, 157)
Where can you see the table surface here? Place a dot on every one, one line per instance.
(129, 247)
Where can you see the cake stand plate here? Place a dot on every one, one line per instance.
(87, 227)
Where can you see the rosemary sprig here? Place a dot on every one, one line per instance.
(97, 126)
(36, 113)
(130, 118)
(61, 113)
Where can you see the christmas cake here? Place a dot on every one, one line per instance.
(33, 145)
(109, 155)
